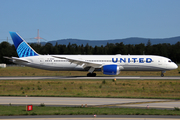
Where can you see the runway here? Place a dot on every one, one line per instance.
(90, 78)
(96, 102)
(91, 117)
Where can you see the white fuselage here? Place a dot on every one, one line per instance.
(126, 62)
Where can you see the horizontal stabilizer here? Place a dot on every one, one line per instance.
(16, 59)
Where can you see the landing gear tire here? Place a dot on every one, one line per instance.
(162, 75)
(91, 75)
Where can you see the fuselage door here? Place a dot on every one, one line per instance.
(41, 60)
(160, 61)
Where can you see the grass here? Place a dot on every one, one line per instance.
(28, 71)
(38, 110)
(88, 88)
(92, 88)
(169, 89)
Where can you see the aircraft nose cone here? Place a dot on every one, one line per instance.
(175, 66)
(172, 66)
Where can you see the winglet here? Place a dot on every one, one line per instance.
(22, 48)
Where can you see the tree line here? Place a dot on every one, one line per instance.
(165, 49)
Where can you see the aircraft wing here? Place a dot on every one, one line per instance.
(81, 62)
(16, 59)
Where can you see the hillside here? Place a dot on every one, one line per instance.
(133, 40)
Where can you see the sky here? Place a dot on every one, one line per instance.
(89, 19)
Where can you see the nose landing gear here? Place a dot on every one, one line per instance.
(162, 73)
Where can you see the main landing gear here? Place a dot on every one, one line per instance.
(91, 75)
(162, 73)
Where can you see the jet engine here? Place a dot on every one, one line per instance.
(110, 69)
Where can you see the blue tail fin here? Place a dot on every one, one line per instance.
(22, 48)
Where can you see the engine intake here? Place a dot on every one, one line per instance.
(110, 69)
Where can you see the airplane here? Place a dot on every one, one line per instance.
(108, 64)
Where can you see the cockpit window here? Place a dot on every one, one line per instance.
(169, 61)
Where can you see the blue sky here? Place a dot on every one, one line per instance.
(90, 19)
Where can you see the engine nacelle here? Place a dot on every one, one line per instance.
(110, 69)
